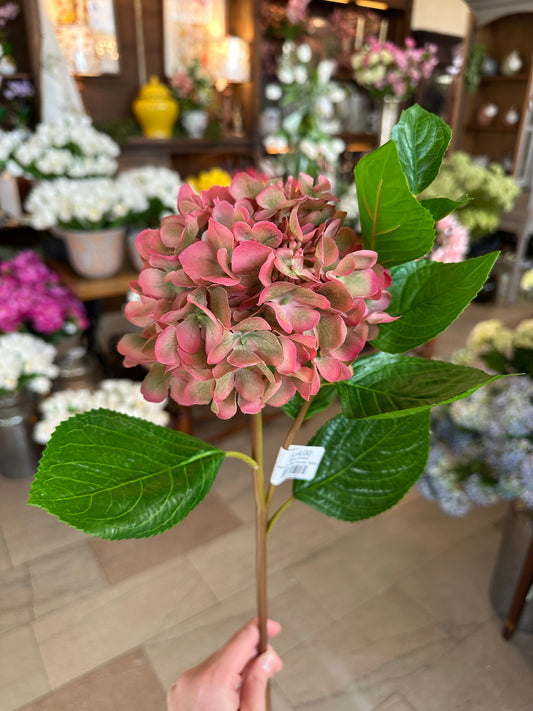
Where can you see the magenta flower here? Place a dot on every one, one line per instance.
(32, 299)
(251, 294)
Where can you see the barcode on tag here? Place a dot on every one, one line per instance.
(297, 462)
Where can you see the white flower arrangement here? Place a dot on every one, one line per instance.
(95, 203)
(159, 186)
(26, 360)
(306, 140)
(70, 147)
(118, 395)
(139, 196)
(10, 141)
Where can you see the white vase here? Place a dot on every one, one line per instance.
(390, 112)
(195, 123)
(95, 254)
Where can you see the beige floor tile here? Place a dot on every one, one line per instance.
(227, 564)
(89, 632)
(59, 578)
(5, 560)
(22, 676)
(454, 588)
(124, 684)
(194, 639)
(385, 639)
(394, 703)
(31, 532)
(379, 631)
(13, 496)
(122, 559)
(15, 598)
(481, 673)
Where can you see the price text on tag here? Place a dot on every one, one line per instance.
(297, 462)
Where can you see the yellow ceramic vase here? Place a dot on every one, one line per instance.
(156, 110)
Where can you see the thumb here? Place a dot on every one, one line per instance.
(255, 680)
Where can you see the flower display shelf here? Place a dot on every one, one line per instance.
(89, 289)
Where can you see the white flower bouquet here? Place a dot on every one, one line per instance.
(306, 140)
(140, 196)
(95, 203)
(26, 361)
(159, 187)
(70, 147)
(118, 395)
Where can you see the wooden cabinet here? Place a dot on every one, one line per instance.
(497, 137)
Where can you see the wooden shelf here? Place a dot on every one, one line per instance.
(492, 129)
(502, 77)
(90, 289)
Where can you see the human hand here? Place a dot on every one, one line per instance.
(232, 679)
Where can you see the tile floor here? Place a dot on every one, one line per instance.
(390, 614)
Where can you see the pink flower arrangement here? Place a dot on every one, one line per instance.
(192, 87)
(250, 294)
(387, 70)
(33, 300)
(297, 11)
(451, 241)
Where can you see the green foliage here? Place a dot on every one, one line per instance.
(422, 142)
(429, 296)
(393, 222)
(490, 189)
(116, 476)
(386, 385)
(368, 465)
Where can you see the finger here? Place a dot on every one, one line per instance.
(255, 680)
(242, 647)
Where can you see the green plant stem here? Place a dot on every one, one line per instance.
(261, 522)
(244, 457)
(291, 434)
(278, 513)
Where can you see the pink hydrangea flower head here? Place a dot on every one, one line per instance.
(250, 294)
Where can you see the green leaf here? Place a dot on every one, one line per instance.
(322, 400)
(368, 465)
(386, 385)
(393, 222)
(429, 296)
(116, 476)
(440, 207)
(422, 139)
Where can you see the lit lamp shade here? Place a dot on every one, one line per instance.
(77, 42)
(229, 60)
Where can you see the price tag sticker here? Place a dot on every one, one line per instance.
(297, 462)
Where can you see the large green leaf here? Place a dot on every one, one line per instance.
(422, 139)
(386, 385)
(368, 465)
(323, 399)
(393, 222)
(116, 476)
(429, 296)
(440, 207)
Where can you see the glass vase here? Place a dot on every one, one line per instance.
(390, 113)
(19, 454)
(78, 368)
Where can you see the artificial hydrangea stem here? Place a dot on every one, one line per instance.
(244, 457)
(291, 434)
(278, 513)
(261, 522)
